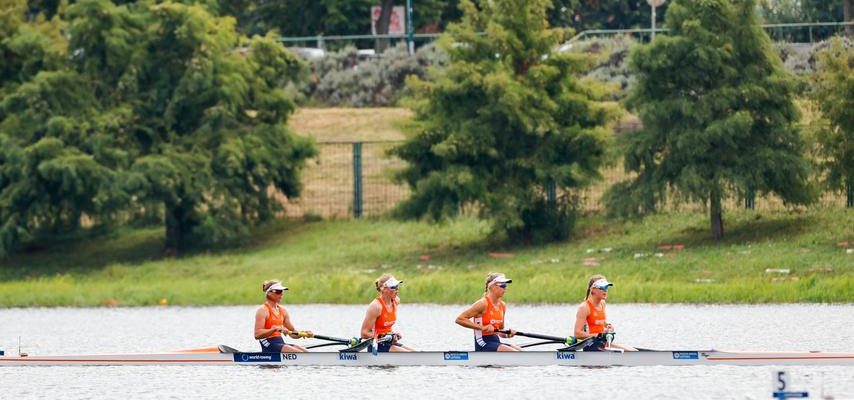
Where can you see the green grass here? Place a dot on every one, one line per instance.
(336, 261)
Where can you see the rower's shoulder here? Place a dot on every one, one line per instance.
(375, 304)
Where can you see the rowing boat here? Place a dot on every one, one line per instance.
(218, 356)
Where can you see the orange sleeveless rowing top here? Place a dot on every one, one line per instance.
(386, 319)
(596, 319)
(492, 315)
(273, 319)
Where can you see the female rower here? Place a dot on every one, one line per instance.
(272, 320)
(488, 315)
(590, 320)
(381, 316)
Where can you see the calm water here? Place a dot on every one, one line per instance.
(426, 327)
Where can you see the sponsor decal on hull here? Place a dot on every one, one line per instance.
(686, 355)
(261, 357)
(456, 356)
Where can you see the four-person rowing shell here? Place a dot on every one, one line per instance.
(486, 317)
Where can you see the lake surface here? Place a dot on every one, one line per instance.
(426, 327)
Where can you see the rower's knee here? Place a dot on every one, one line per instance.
(505, 347)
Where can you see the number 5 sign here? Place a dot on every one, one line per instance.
(780, 387)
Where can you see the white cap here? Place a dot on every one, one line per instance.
(601, 283)
(500, 279)
(392, 282)
(276, 286)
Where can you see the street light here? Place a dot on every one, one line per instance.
(654, 4)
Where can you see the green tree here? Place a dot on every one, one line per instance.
(717, 112)
(163, 107)
(503, 124)
(48, 179)
(834, 82)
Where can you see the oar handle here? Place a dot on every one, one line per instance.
(302, 334)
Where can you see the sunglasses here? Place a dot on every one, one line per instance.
(501, 285)
(393, 287)
(603, 288)
(277, 291)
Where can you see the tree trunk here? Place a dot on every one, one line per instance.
(716, 214)
(848, 10)
(850, 203)
(383, 23)
(175, 229)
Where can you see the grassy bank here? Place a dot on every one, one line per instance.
(335, 262)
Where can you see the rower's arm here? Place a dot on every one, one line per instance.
(286, 320)
(580, 320)
(260, 332)
(370, 319)
(476, 309)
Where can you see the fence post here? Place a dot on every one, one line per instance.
(357, 179)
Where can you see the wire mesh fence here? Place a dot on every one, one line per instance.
(356, 179)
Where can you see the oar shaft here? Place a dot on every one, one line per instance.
(538, 336)
(332, 339)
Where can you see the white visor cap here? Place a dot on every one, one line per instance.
(276, 286)
(392, 282)
(602, 283)
(500, 279)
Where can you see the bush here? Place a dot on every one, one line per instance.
(611, 66)
(341, 79)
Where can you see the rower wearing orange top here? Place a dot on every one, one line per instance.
(486, 316)
(382, 315)
(591, 319)
(271, 320)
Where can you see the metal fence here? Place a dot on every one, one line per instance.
(790, 32)
(354, 179)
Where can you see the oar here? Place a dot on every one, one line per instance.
(555, 339)
(542, 343)
(314, 346)
(367, 342)
(349, 342)
(357, 347)
(579, 344)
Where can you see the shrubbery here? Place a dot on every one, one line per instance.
(340, 78)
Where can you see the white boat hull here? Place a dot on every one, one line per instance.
(439, 358)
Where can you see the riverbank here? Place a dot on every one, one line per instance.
(782, 257)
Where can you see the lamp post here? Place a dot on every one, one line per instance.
(654, 4)
(409, 29)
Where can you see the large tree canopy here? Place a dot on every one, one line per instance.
(717, 112)
(834, 94)
(504, 124)
(159, 107)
